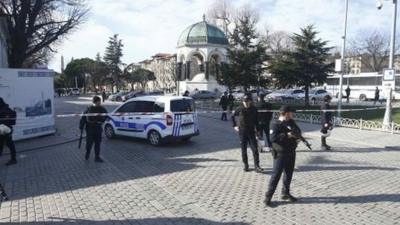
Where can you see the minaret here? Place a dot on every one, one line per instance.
(62, 64)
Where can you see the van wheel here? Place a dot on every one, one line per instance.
(154, 138)
(363, 97)
(109, 131)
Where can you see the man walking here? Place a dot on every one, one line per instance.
(376, 95)
(247, 128)
(104, 95)
(94, 128)
(224, 102)
(284, 144)
(264, 119)
(348, 91)
(7, 121)
(326, 121)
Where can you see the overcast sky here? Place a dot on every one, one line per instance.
(148, 27)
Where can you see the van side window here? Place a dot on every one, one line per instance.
(128, 108)
(144, 106)
(159, 107)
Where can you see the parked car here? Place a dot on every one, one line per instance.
(159, 119)
(117, 96)
(135, 94)
(316, 95)
(285, 94)
(203, 95)
(75, 91)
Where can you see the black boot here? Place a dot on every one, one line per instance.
(11, 162)
(258, 169)
(267, 201)
(289, 197)
(324, 146)
(87, 155)
(98, 159)
(246, 168)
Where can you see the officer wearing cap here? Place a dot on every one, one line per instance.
(326, 121)
(264, 118)
(247, 128)
(284, 144)
(94, 128)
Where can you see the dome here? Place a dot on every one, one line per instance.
(202, 33)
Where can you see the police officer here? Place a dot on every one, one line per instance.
(247, 128)
(224, 102)
(264, 119)
(284, 144)
(5, 113)
(94, 128)
(326, 121)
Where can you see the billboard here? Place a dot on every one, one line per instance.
(31, 94)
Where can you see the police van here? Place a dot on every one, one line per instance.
(158, 119)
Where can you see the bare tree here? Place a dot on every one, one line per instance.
(36, 27)
(277, 42)
(373, 50)
(220, 13)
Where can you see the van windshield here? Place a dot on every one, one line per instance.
(182, 105)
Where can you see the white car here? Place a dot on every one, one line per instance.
(155, 118)
(75, 91)
(315, 95)
(285, 94)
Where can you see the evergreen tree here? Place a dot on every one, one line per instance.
(307, 65)
(112, 58)
(246, 55)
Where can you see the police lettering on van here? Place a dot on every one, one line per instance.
(155, 118)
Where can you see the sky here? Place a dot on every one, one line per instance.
(148, 27)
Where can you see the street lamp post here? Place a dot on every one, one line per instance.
(388, 112)
(342, 60)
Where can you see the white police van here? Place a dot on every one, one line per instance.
(156, 118)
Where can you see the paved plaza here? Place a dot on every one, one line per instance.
(200, 182)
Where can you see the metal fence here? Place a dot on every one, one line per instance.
(316, 119)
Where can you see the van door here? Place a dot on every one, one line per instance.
(123, 124)
(145, 110)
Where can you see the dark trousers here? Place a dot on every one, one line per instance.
(224, 116)
(282, 163)
(7, 139)
(266, 129)
(249, 138)
(93, 136)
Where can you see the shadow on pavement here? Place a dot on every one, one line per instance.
(149, 221)
(351, 199)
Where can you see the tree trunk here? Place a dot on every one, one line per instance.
(306, 96)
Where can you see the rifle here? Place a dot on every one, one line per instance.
(297, 134)
(80, 139)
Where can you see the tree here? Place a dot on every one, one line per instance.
(373, 50)
(36, 27)
(277, 43)
(138, 75)
(99, 71)
(306, 65)
(60, 81)
(220, 14)
(246, 53)
(112, 58)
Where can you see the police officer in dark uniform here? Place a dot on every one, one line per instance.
(326, 121)
(5, 113)
(94, 128)
(224, 102)
(284, 144)
(247, 128)
(264, 119)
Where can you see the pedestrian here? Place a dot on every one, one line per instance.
(376, 95)
(3, 194)
(284, 144)
(104, 95)
(326, 121)
(348, 91)
(247, 128)
(94, 127)
(231, 101)
(186, 93)
(264, 119)
(224, 102)
(8, 119)
(59, 92)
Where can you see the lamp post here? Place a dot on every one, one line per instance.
(343, 59)
(388, 112)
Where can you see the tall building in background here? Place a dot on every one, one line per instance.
(3, 41)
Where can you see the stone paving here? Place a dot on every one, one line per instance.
(202, 182)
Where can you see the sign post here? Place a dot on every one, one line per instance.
(388, 84)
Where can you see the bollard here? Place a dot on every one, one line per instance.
(361, 124)
(392, 127)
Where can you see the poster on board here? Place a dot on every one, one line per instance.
(31, 94)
